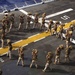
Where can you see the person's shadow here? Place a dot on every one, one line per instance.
(53, 70)
(70, 63)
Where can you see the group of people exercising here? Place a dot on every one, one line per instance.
(54, 28)
(49, 57)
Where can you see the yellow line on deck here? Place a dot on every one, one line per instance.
(30, 40)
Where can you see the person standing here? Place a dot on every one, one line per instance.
(55, 28)
(43, 21)
(49, 57)
(3, 28)
(60, 33)
(36, 21)
(34, 58)
(11, 18)
(28, 20)
(0, 72)
(21, 56)
(2, 40)
(67, 53)
(68, 34)
(49, 28)
(58, 53)
(9, 48)
(21, 20)
(6, 22)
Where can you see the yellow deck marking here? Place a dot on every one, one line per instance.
(32, 39)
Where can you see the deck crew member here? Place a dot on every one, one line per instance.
(60, 33)
(43, 21)
(21, 56)
(49, 57)
(67, 53)
(0, 72)
(68, 34)
(36, 21)
(55, 28)
(58, 53)
(21, 21)
(50, 26)
(2, 39)
(28, 21)
(9, 48)
(6, 22)
(34, 58)
(11, 18)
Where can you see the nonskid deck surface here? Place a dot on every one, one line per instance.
(58, 11)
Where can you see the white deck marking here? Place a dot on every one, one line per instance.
(39, 39)
(1, 48)
(24, 45)
(1, 60)
(34, 35)
(7, 52)
(18, 41)
(65, 17)
(59, 13)
(48, 16)
(71, 40)
(40, 19)
(3, 54)
(26, 13)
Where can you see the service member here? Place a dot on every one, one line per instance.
(9, 48)
(43, 21)
(60, 33)
(67, 53)
(50, 26)
(28, 20)
(21, 56)
(6, 22)
(11, 18)
(55, 28)
(34, 58)
(2, 39)
(58, 53)
(68, 34)
(3, 29)
(0, 72)
(36, 21)
(21, 21)
(49, 57)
